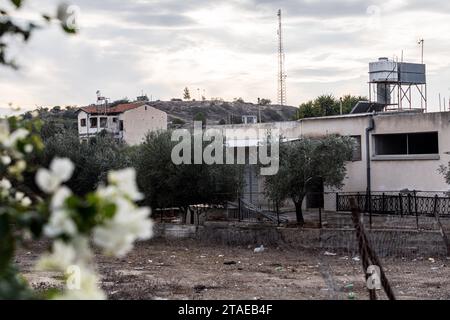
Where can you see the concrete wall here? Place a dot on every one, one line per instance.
(139, 122)
(398, 173)
(394, 174)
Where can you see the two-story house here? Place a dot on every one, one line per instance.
(127, 122)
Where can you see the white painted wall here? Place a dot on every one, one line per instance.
(391, 175)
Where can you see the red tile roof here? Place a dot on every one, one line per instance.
(121, 108)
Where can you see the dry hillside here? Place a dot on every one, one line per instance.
(215, 111)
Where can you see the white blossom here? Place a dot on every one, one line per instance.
(6, 160)
(5, 184)
(61, 170)
(62, 256)
(28, 148)
(59, 198)
(46, 181)
(26, 202)
(125, 181)
(60, 223)
(19, 196)
(130, 223)
(14, 137)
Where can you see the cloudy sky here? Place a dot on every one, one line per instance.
(225, 48)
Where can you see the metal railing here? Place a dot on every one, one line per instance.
(410, 203)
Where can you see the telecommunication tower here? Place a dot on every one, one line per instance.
(281, 68)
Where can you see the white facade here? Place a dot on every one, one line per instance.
(87, 128)
(130, 125)
(406, 148)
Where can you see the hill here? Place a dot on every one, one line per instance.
(217, 111)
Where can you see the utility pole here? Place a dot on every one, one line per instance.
(281, 68)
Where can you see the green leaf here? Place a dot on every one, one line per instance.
(17, 3)
(68, 29)
(6, 242)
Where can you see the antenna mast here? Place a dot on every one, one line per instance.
(281, 69)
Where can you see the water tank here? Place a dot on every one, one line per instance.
(383, 70)
(412, 73)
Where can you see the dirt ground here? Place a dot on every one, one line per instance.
(191, 270)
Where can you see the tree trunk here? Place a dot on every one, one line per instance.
(299, 212)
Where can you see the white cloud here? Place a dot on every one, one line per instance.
(227, 48)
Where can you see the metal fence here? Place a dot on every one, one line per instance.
(413, 203)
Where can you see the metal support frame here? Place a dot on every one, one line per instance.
(402, 95)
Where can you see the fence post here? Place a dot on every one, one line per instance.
(409, 204)
(370, 209)
(400, 204)
(436, 198)
(337, 201)
(239, 209)
(320, 218)
(415, 209)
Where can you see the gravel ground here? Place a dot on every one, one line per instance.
(191, 270)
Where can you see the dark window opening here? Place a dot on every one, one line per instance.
(115, 120)
(357, 152)
(121, 125)
(93, 122)
(103, 122)
(407, 144)
(83, 122)
(423, 143)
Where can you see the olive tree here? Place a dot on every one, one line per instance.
(168, 185)
(303, 163)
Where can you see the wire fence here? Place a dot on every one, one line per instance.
(396, 209)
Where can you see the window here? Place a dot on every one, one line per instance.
(83, 122)
(93, 122)
(121, 125)
(424, 143)
(103, 122)
(357, 153)
(115, 120)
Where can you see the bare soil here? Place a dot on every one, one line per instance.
(191, 270)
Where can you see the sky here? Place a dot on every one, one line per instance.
(222, 49)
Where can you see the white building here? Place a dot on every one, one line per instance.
(127, 122)
(404, 150)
